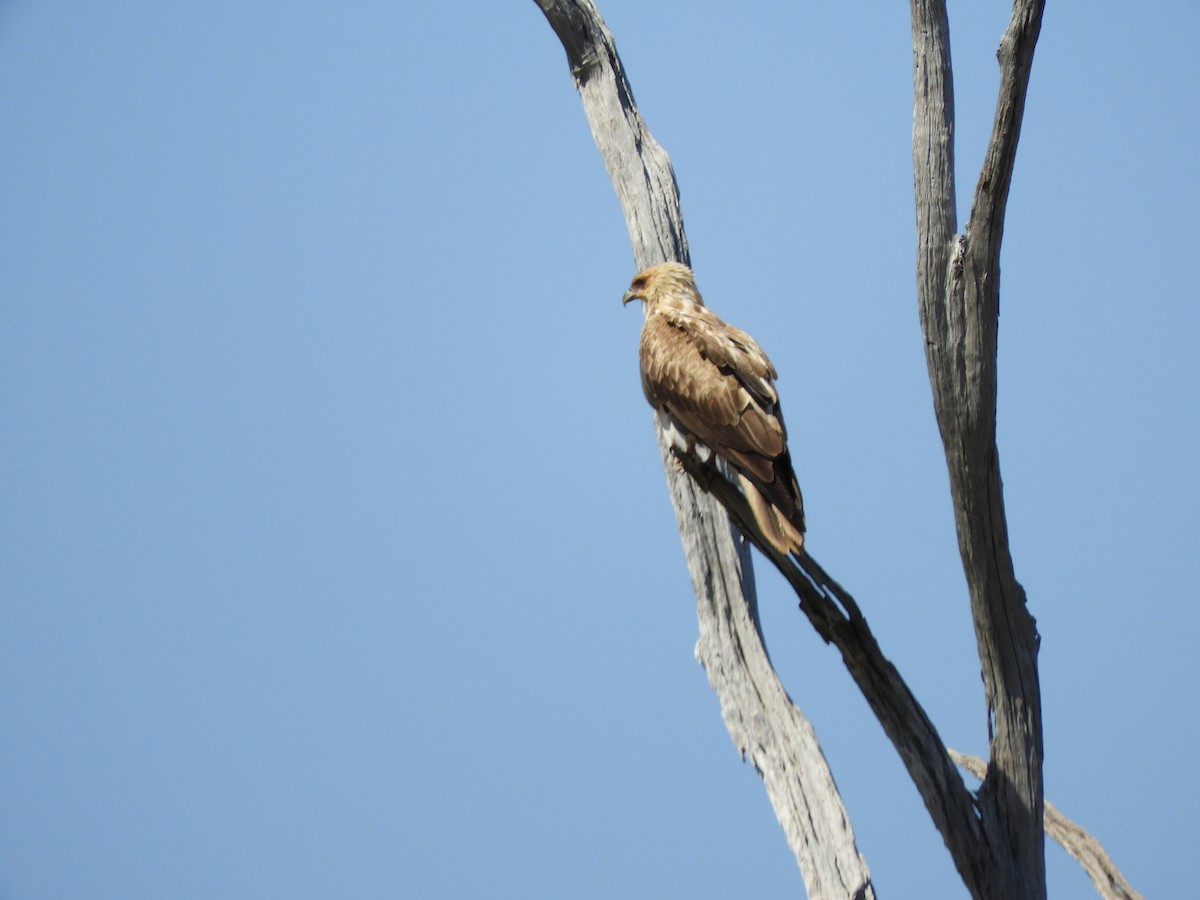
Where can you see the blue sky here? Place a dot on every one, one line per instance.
(335, 554)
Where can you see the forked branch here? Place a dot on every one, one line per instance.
(958, 292)
(1079, 844)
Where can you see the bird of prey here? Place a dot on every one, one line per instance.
(713, 391)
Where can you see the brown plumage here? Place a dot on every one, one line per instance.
(713, 389)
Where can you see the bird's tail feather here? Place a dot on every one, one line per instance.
(779, 531)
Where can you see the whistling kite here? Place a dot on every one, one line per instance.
(713, 389)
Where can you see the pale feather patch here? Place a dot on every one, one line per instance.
(679, 439)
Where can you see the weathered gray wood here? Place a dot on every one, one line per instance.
(1079, 844)
(765, 726)
(958, 297)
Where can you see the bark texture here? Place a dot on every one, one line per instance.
(766, 727)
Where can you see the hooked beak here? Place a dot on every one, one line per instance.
(630, 294)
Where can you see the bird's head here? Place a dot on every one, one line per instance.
(667, 284)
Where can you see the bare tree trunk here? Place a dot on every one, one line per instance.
(958, 288)
(765, 726)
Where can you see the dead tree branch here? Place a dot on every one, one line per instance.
(765, 726)
(959, 300)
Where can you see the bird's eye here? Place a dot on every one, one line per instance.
(639, 283)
